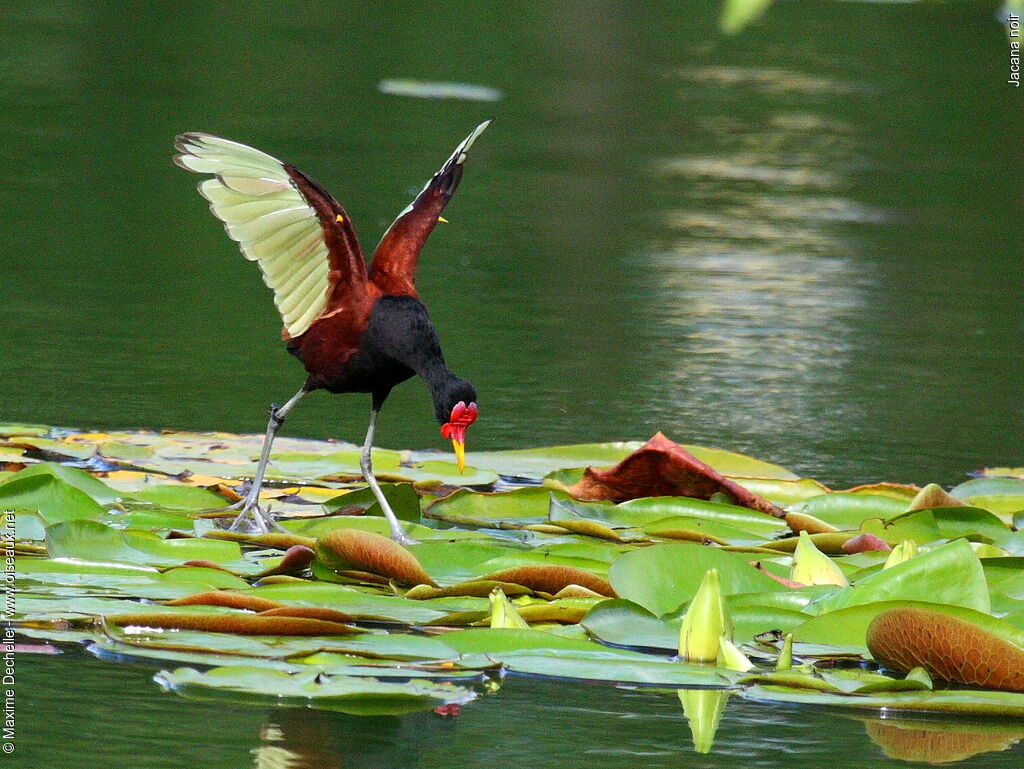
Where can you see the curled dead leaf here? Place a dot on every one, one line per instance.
(663, 468)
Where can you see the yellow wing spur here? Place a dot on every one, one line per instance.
(297, 233)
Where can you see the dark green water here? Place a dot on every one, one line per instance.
(802, 242)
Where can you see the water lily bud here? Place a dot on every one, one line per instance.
(730, 657)
(504, 614)
(785, 660)
(707, 618)
(813, 567)
(904, 551)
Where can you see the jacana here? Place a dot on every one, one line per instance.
(357, 328)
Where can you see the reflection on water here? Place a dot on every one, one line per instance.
(939, 742)
(758, 275)
(528, 721)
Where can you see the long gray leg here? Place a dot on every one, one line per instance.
(366, 465)
(263, 520)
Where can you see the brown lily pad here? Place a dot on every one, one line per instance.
(242, 624)
(228, 598)
(551, 578)
(663, 468)
(354, 550)
(309, 612)
(948, 647)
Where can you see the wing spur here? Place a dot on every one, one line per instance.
(394, 260)
(297, 233)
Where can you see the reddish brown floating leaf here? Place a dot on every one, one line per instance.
(309, 612)
(227, 598)
(552, 578)
(354, 550)
(296, 558)
(242, 624)
(781, 580)
(200, 564)
(864, 543)
(663, 468)
(947, 647)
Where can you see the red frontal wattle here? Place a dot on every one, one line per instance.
(462, 417)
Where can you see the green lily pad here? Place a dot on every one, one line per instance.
(91, 540)
(54, 499)
(663, 577)
(951, 574)
(72, 476)
(180, 497)
(465, 507)
(997, 704)
(345, 694)
(846, 510)
(651, 672)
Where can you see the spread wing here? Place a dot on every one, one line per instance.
(284, 221)
(394, 260)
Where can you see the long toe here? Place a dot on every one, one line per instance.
(252, 519)
(404, 539)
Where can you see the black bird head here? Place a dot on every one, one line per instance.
(456, 410)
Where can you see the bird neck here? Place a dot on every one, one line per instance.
(437, 376)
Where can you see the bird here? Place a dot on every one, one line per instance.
(355, 327)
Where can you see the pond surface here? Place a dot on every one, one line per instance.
(802, 242)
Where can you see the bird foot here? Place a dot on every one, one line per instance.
(403, 539)
(256, 518)
(251, 517)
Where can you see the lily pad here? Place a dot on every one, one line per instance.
(345, 694)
